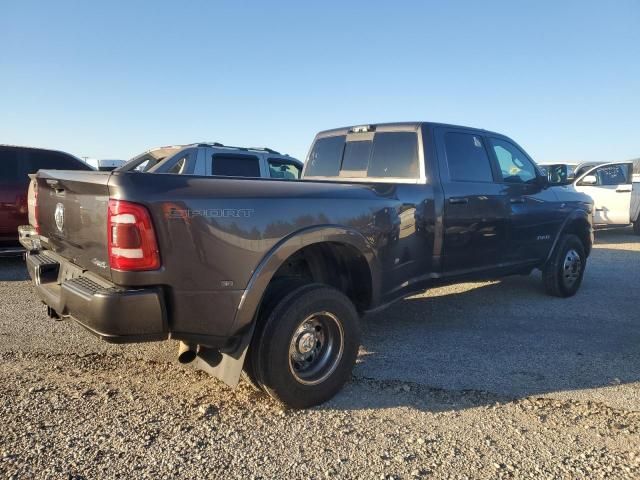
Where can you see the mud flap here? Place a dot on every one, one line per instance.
(226, 366)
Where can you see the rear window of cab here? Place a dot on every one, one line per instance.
(371, 155)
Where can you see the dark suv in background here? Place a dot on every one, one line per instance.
(16, 163)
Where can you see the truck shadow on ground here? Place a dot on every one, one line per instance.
(12, 269)
(616, 236)
(502, 340)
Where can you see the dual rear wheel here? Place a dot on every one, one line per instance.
(305, 344)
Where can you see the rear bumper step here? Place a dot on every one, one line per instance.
(115, 314)
(28, 237)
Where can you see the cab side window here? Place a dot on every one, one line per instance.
(283, 169)
(230, 165)
(467, 158)
(514, 164)
(611, 175)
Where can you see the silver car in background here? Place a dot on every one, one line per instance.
(216, 159)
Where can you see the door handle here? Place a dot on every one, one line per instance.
(458, 201)
(623, 189)
(516, 200)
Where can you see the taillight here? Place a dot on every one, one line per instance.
(131, 238)
(32, 205)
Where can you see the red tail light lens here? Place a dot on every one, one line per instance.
(32, 204)
(131, 238)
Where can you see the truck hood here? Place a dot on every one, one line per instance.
(568, 193)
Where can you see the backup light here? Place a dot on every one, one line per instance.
(33, 203)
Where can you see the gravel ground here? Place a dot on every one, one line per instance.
(482, 380)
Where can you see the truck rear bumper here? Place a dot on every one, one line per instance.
(116, 315)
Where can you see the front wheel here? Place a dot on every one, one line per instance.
(305, 351)
(562, 274)
(636, 226)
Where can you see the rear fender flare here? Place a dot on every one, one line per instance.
(272, 261)
(229, 368)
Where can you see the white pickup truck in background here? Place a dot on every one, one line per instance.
(615, 194)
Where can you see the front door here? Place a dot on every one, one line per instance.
(533, 215)
(610, 188)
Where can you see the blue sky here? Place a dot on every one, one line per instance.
(114, 79)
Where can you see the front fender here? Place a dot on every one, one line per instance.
(582, 217)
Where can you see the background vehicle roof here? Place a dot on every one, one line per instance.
(158, 152)
(22, 147)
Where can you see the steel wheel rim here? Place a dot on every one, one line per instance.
(571, 268)
(316, 348)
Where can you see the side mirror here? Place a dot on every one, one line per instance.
(543, 181)
(589, 180)
(557, 175)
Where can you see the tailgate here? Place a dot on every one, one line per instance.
(72, 216)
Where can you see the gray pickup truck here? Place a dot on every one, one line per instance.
(271, 276)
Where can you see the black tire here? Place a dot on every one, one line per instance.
(314, 316)
(562, 274)
(636, 227)
(276, 291)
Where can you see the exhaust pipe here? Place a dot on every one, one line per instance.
(187, 353)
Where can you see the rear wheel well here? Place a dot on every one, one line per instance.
(336, 264)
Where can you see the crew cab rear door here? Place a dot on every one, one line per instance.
(476, 216)
(610, 187)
